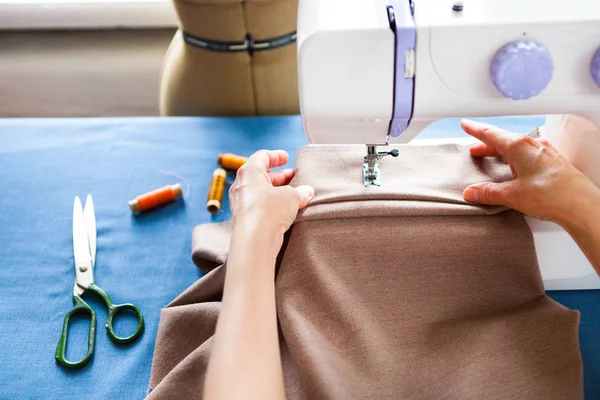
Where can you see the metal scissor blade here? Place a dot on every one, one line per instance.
(89, 217)
(81, 247)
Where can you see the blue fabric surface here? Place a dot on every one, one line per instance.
(145, 259)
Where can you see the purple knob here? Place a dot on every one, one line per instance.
(521, 69)
(595, 67)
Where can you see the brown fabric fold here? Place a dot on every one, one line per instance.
(402, 291)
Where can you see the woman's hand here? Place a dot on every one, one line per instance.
(246, 344)
(545, 185)
(259, 198)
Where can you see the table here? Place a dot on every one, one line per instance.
(143, 259)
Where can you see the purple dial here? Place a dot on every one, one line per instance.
(521, 69)
(595, 68)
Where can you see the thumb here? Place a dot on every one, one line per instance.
(493, 194)
(305, 194)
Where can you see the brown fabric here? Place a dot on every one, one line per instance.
(200, 82)
(402, 291)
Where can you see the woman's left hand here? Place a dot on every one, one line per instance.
(544, 185)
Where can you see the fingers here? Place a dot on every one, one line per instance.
(483, 150)
(281, 178)
(493, 194)
(305, 194)
(492, 136)
(266, 159)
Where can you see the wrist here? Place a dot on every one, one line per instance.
(259, 226)
(256, 239)
(582, 216)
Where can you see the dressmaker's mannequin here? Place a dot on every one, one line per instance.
(197, 81)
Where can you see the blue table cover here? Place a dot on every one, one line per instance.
(143, 259)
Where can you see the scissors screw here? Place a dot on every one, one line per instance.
(83, 268)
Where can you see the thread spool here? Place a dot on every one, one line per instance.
(231, 161)
(216, 191)
(155, 198)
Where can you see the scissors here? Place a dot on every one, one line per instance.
(84, 249)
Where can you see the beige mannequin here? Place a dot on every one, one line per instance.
(196, 81)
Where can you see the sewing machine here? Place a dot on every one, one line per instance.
(377, 72)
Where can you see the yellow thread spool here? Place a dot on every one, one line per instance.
(231, 161)
(216, 191)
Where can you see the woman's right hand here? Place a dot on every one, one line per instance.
(545, 185)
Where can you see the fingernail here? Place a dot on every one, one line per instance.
(472, 194)
(308, 190)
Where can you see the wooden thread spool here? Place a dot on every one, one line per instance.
(155, 198)
(231, 161)
(216, 191)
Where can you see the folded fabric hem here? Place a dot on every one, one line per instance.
(392, 208)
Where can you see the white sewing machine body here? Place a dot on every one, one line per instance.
(378, 72)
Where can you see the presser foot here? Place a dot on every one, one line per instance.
(371, 175)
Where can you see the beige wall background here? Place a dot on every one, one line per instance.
(81, 73)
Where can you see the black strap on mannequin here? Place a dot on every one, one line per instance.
(248, 45)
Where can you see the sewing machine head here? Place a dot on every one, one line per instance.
(378, 72)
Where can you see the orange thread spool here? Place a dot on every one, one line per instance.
(216, 191)
(155, 198)
(231, 161)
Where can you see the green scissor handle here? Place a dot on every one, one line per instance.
(82, 307)
(113, 310)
